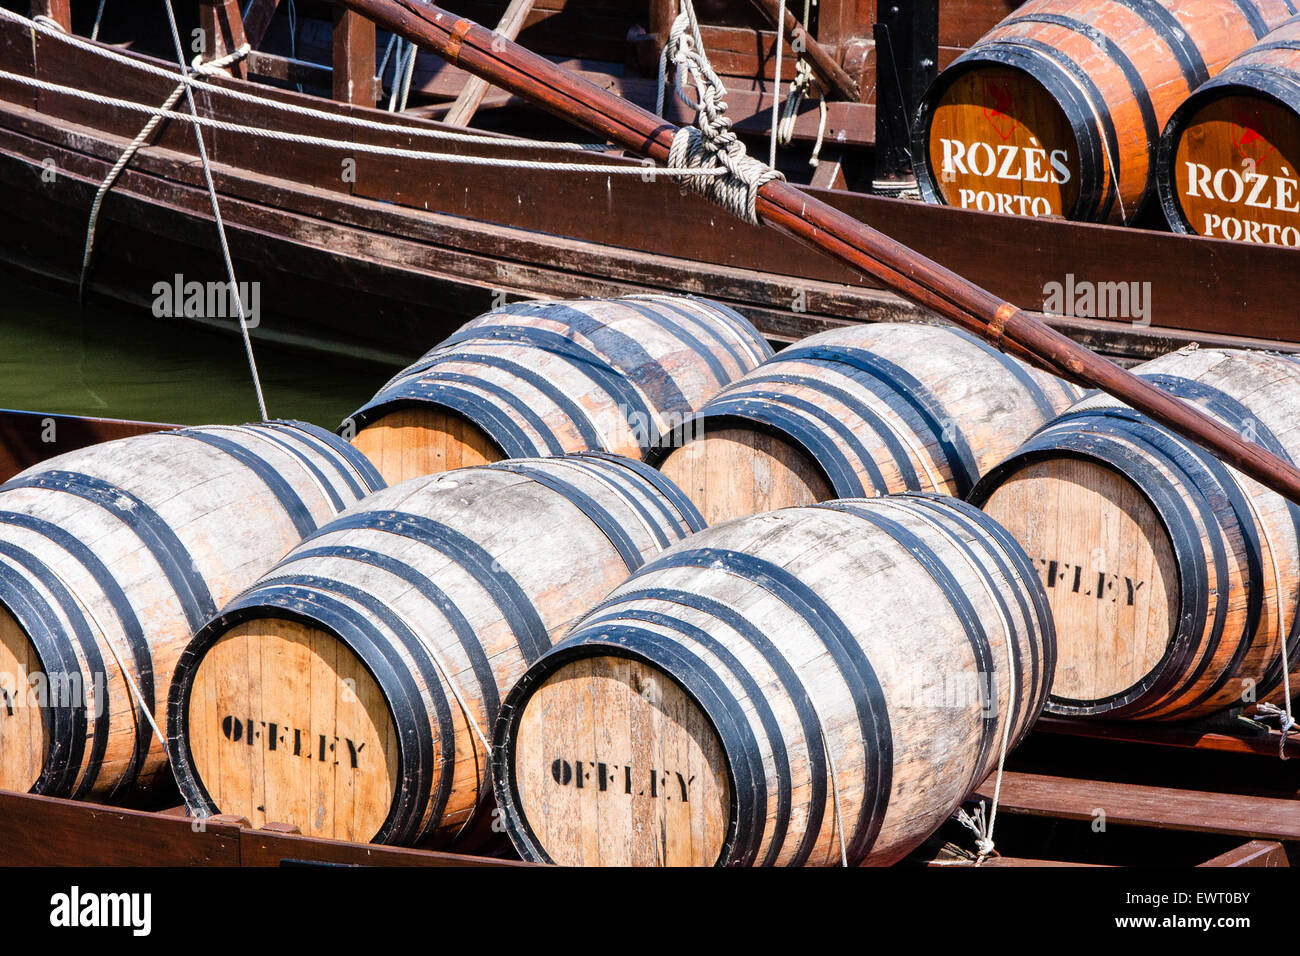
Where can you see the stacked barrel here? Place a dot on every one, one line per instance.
(862, 410)
(1173, 578)
(355, 689)
(818, 685)
(1228, 158)
(1059, 110)
(553, 378)
(111, 557)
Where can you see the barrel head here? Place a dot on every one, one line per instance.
(24, 736)
(615, 765)
(424, 440)
(1108, 565)
(999, 142)
(1234, 171)
(286, 725)
(729, 472)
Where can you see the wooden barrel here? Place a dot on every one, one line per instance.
(352, 689)
(1058, 110)
(777, 683)
(1172, 576)
(552, 378)
(112, 556)
(860, 411)
(1229, 163)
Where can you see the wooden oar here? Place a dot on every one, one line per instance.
(781, 205)
(471, 95)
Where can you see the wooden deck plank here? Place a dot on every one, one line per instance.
(44, 831)
(1260, 818)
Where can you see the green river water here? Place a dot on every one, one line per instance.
(111, 362)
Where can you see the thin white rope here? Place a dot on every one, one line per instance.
(216, 214)
(391, 151)
(127, 154)
(776, 84)
(1283, 714)
(51, 28)
(984, 833)
(99, 16)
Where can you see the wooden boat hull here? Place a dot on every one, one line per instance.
(395, 261)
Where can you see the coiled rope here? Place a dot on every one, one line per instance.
(721, 170)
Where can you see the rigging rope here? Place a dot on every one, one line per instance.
(51, 28)
(721, 169)
(216, 214)
(124, 160)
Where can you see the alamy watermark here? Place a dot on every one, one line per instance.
(180, 299)
(1083, 299)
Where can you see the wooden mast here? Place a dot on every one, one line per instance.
(781, 205)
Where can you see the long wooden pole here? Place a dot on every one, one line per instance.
(509, 66)
(471, 95)
(839, 85)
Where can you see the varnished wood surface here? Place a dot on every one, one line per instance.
(1228, 159)
(24, 736)
(410, 442)
(641, 723)
(331, 756)
(1093, 535)
(1061, 105)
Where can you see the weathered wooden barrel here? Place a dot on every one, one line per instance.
(351, 690)
(1058, 110)
(112, 556)
(860, 411)
(553, 378)
(1229, 163)
(776, 684)
(1172, 576)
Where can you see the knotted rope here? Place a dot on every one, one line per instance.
(804, 82)
(711, 145)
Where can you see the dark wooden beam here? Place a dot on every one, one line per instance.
(258, 21)
(223, 30)
(354, 58)
(60, 11)
(838, 84)
(471, 95)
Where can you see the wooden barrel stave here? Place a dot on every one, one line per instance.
(1243, 123)
(1231, 564)
(1070, 97)
(750, 621)
(865, 410)
(435, 589)
(109, 556)
(551, 378)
